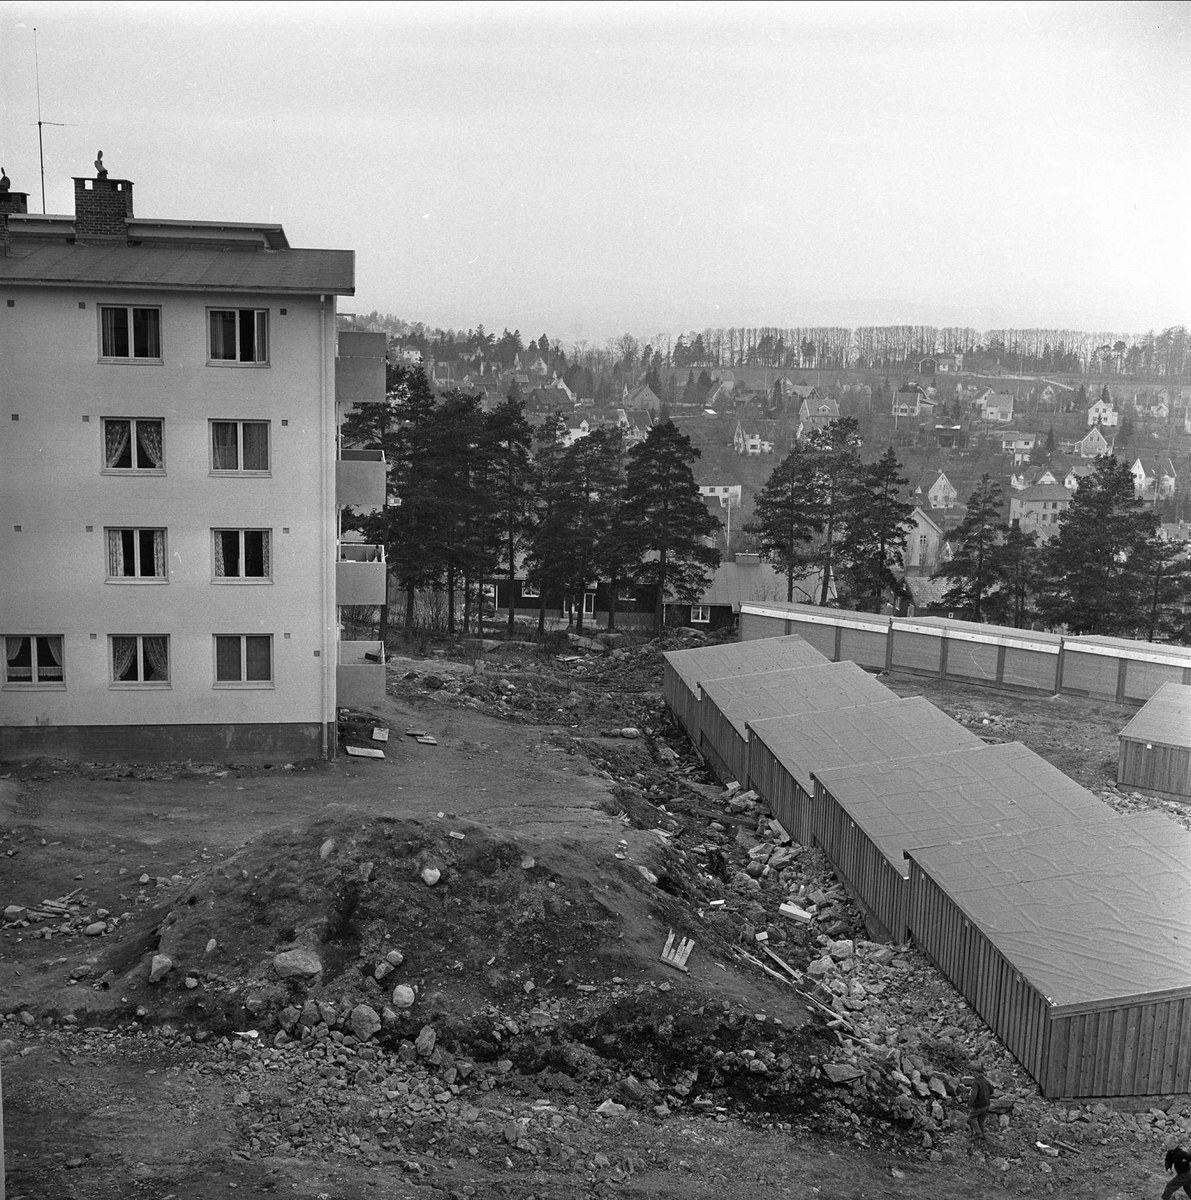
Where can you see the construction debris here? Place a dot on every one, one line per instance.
(675, 955)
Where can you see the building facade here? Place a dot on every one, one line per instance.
(170, 487)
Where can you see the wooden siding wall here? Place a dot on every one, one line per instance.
(684, 703)
(1134, 1050)
(880, 886)
(787, 800)
(722, 744)
(1013, 1009)
(1106, 673)
(1165, 769)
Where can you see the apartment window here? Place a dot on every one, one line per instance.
(700, 614)
(242, 554)
(244, 658)
(127, 334)
(140, 658)
(133, 444)
(136, 554)
(34, 659)
(239, 445)
(530, 591)
(239, 335)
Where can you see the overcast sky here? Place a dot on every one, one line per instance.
(589, 170)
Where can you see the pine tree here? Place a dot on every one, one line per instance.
(667, 520)
(1095, 563)
(836, 467)
(973, 565)
(1017, 562)
(787, 516)
(875, 531)
(1164, 573)
(509, 436)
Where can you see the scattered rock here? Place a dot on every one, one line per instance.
(364, 1021)
(431, 875)
(161, 966)
(297, 964)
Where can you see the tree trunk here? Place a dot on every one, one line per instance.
(659, 600)
(512, 568)
(790, 586)
(612, 587)
(410, 601)
(450, 601)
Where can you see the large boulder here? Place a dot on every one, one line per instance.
(364, 1021)
(297, 964)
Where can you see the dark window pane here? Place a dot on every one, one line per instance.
(146, 333)
(148, 445)
(223, 335)
(257, 654)
(224, 455)
(128, 551)
(227, 659)
(247, 338)
(114, 322)
(254, 552)
(256, 446)
(49, 660)
(227, 554)
(147, 548)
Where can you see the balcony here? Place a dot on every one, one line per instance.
(360, 574)
(360, 369)
(359, 675)
(360, 480)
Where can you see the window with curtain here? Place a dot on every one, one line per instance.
(243, 658)
(242, 553)
(240, 446)
(140, 658)
(239, 335)
(136, 554)
(129, 333)
(32, 659)
(133, 444)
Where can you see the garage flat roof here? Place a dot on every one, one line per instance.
(1165, 718)
(961, 795)
(865, 733)
(742, 658)
(744, 699)
(1095, 917)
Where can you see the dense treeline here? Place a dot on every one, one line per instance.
(1156, 355)
(478, 496)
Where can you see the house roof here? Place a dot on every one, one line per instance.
(1043, 491)
(734, 583)
(1094, 914)
(745, 699)
(961, 794)
(1165, 718)
(741, 658)
(184, 268)
(922, 516)
(881, 732)
(929, 480)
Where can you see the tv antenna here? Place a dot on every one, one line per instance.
(40, 122)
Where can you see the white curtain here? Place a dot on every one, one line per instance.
(116, 435)
(219, 565)
(157, 654)
(54, 646)
(13, 648)
(123, 653)
(115, 553)
(148, 434)
(266, 563)
(159, 553)
(223, 446)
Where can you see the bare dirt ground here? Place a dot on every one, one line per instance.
(506, 1029)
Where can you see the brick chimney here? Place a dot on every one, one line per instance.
(10, 202)
(101, 207)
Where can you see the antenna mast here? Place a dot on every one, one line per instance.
(40, 122)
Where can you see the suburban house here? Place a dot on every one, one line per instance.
(1029, 476)
(538, 366)
(409, 358)
(1103, 413)
(726, 493)
(1020, 445)
(815, 413)
(926, 544)
(1093, 444)
(949, 437)
(936, 490)
(641, 396)
(758, 440)
(1078, 473)
(744, 579)
(996, 406)
(910, 400)
(1038, 508)
(1155, 407)
(577, 427)
(176, 390)
(1153, 478)
(635, 424)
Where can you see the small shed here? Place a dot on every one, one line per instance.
(1155, 753)
(784, 752)
(1072, 945)
(685, 670)
(873, 813)
(728, 705)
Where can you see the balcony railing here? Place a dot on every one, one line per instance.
(360, 479)
(360, 675)
(360, 574)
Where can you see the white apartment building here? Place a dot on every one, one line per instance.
(170, 484)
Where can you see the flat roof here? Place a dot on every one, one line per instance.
(180, 267)
(744, 699)
(1089, 917)
(956, 796)
(1146, 651)
(979, 629)
(1165, 717)
(815, 613)
(882, 732)
(742, 658)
